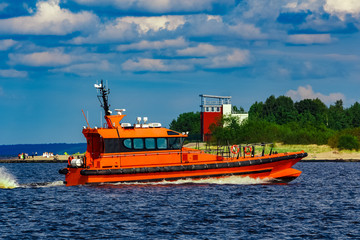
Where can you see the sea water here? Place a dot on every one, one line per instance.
(323, 203)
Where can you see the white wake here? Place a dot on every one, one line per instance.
(7, 180)
(236, 180)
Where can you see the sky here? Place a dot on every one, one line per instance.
(158, 56)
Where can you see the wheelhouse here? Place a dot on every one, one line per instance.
(120, 140)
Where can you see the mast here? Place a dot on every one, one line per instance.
(103, 97)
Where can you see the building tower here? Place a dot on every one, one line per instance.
(213, 108)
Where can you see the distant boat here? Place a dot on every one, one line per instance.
(147, 152)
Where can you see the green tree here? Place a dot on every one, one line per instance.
(312, 110)
(256, 111)
(187, 122)
(284, 110)
(348, 142)
(238, 110)
(269, 109)
(354, 115)
(337, 116)
(226, 130)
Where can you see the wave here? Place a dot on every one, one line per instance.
(235, 180)
(42, 184)
(7, 180)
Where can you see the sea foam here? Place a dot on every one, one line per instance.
(6, 179)
(236, 180)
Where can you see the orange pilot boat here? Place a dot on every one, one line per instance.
(147, 152)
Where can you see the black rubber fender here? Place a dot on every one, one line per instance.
(64, 171)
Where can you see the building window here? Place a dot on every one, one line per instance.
(218, 109)
(212, 109)
(206, 109)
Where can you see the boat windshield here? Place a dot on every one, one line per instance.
(117, 145)
(175, 143)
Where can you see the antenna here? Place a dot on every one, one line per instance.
(103, 97)
(85, 118)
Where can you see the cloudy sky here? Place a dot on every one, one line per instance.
(158, 56)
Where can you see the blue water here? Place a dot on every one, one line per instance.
(323, 203)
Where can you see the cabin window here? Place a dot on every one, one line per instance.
(174, 143)
(172, 133)
(161, 143)
(112, 145)
(128, 143)
(138, 143)
(150, 143)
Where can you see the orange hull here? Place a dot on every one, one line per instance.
(276, 168)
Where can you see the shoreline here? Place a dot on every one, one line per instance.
(37, 159)
(330, 160)
(31, 161)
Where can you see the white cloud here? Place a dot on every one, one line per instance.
(113, 31)
(6, 44)
(202, 25)
(216, 56)
(201, 50)
(303, 5)
(202, 56)
(159, 6)
(238, 58)
(154, 65)
(87, 69)
(338, 8)
(342, 7)
(134, 29)
(127, 29)
(246, 31)
(51, 58)
(12, 73)
(309, 38)
(342, 57)
(145, 24)
(308, 93)
(49, 19)
(154, 45)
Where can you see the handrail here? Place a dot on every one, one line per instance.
(148, 154)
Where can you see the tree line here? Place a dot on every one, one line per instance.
(280, 119)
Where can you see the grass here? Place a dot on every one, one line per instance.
(311, 148)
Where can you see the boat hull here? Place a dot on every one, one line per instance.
(276, 169)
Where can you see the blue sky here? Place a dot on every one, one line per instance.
(158, 56)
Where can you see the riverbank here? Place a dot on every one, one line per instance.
(320, 153)
(37, 159)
